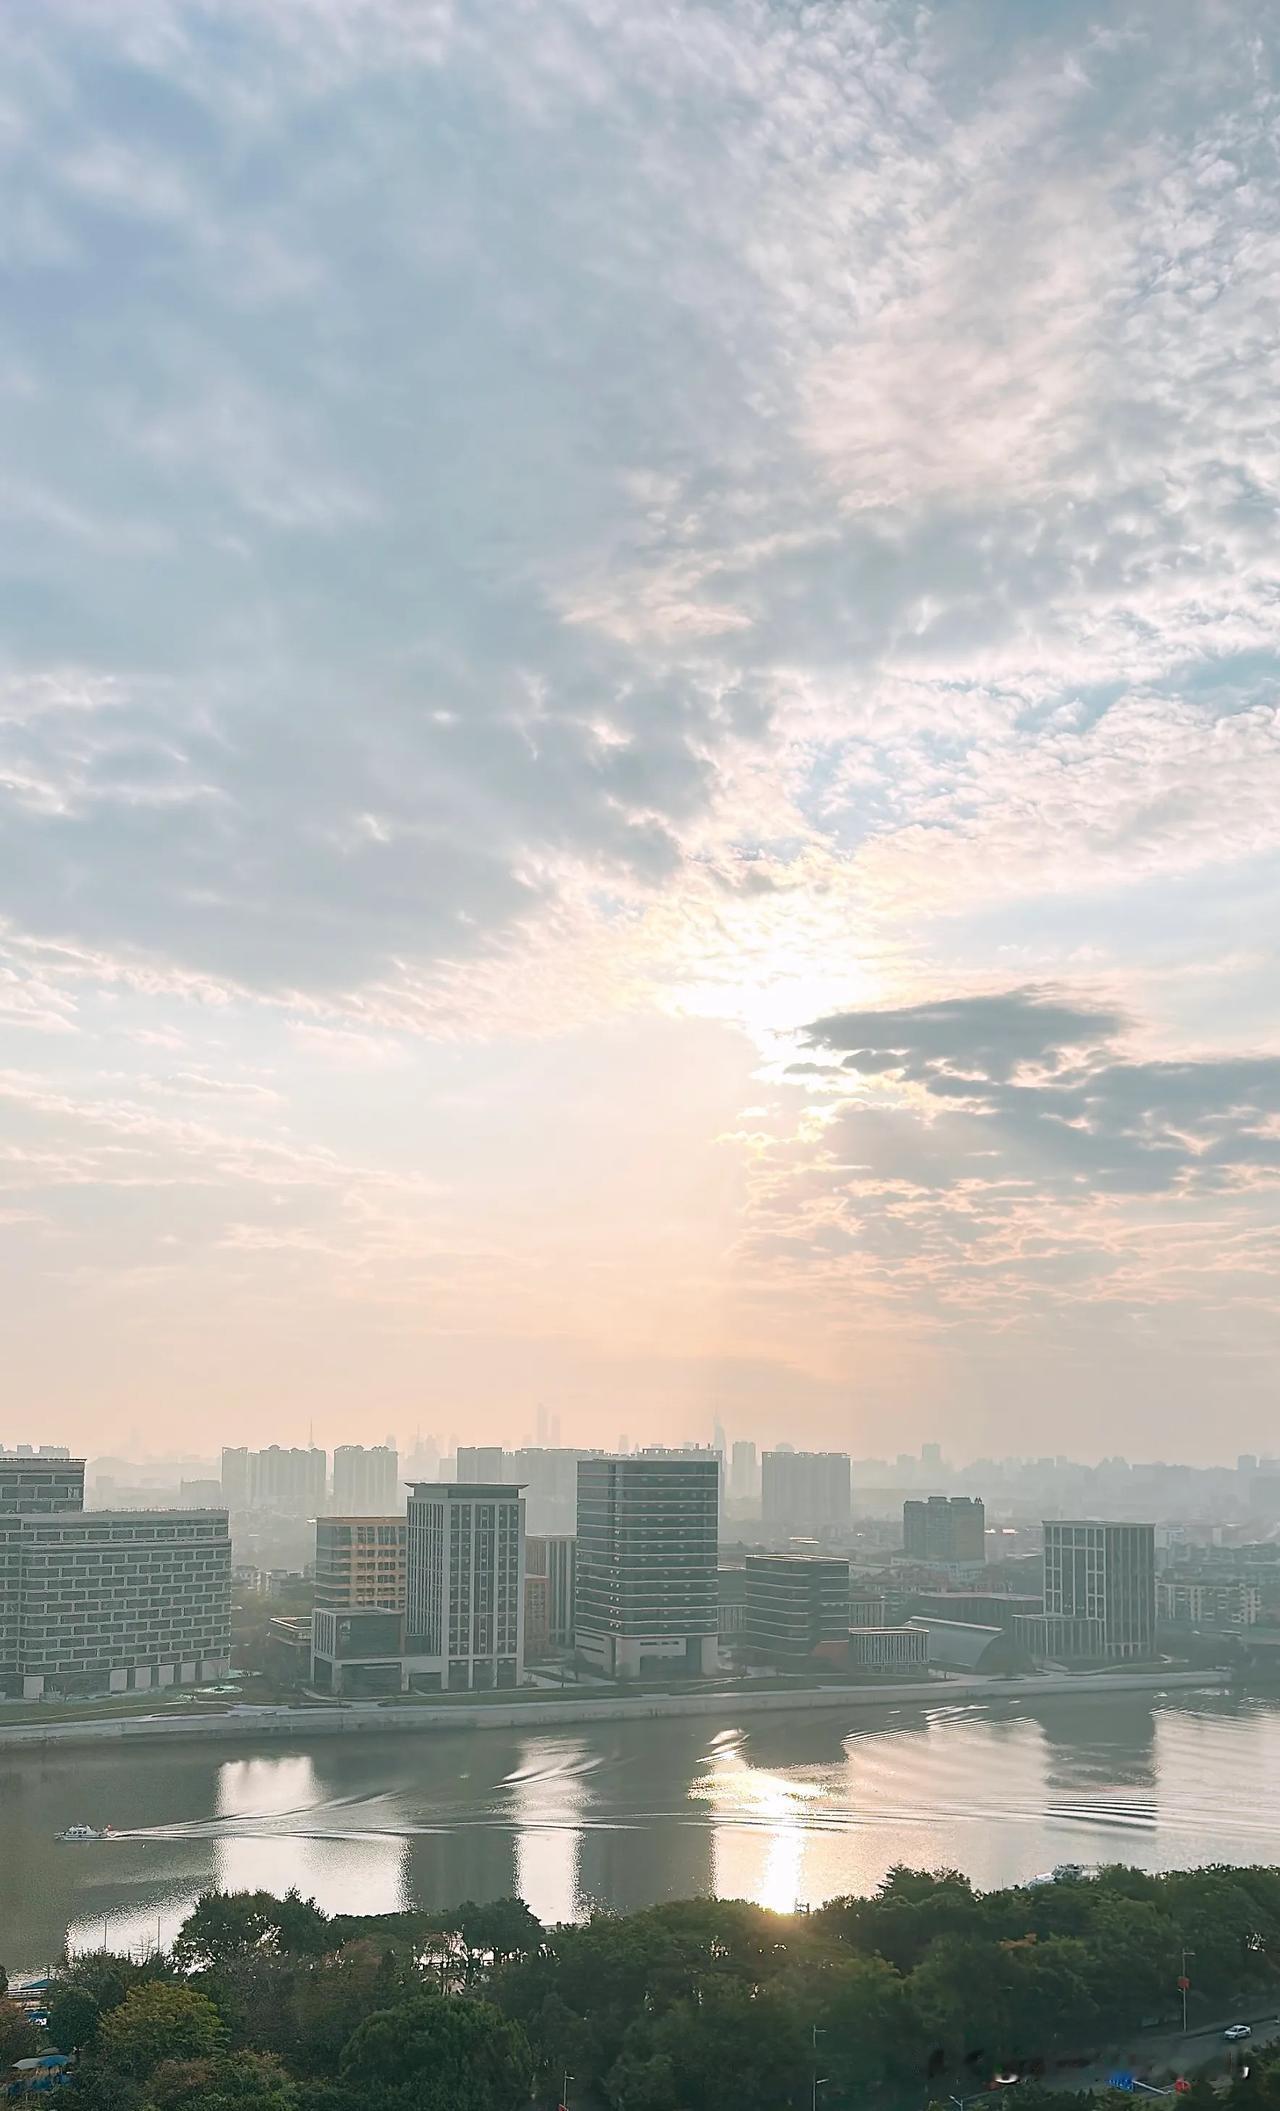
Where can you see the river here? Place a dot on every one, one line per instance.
(789, 1809)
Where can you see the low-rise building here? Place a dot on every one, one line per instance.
(888, 1649)
(1058, 1638)
(362, 1653)
(867, 1608)
(962, 1645)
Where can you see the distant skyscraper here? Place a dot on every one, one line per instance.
(1104, 1572)
(287, 1481)
(719, 1441)
(647, 1594)
(480, 1462)
(366, 1482)
(465, 1589)
(235, 1476)
(931, 1454)
(806, 1492)
(744, 1472)
(947, 1531)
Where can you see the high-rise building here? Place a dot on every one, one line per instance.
(945, 1531)
(554, 1555)
(806, 1492)
(465, 1583)
(235, 1476)
(38, 1482)
(795, 1603)
(1101, 1571)
(288, 1481)
(361, 1561)
(931, 1455)
(480, 1462)
(647, 1594)
(366, 1480)
(744, 1472)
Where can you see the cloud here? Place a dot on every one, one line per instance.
(538, 522)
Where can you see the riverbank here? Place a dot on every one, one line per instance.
(373, 1718)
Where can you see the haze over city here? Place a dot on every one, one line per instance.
(639, 757)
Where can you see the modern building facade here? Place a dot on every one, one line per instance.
(119, 1601)
(647, 1595)
(366, 1480)
(888, 1649)
(867, 1608)
(37, 1483)
(794, 1603)
(555, 1556)
(537, 1617)
(361, 1561)
(805, 1492)
(1057, 1638)
(465, 1583)
(1095, 1570)
(362, 1652)
(945, 1531)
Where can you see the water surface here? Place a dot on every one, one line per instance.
(781, 1809)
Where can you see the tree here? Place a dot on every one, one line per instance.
(74, 2016)
(225, 1925)
(104, 1975)
(301, 1929)
(637, 2084)
(19, 2036)
(732, 2050)
(160, 2022)
(241, 2081)
(440, 2054)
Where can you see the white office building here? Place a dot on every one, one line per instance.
(1106, 1573)
(464, 1602)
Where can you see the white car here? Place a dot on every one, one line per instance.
(1235, 2031)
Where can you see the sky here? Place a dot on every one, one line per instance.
(639, 748)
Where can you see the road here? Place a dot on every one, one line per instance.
(1159, 2056)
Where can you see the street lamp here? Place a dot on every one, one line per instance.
(1183, 1985)
(818, 2079)
(564, 2093)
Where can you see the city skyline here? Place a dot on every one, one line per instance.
(639, 744)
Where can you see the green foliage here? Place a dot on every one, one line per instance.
(923, 1991)
(159, 2022)
(230, 1924)
(242, 2081)
(19, 2037)
(74, 2015)
(439, 2054)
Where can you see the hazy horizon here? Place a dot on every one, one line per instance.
(639, 746)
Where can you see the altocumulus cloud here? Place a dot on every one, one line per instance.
(518, 517)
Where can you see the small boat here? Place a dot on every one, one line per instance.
(77, 1835)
